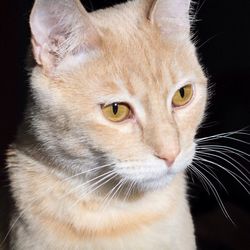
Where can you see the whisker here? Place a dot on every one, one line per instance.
(203, 166)
(216, 194)
(225, 155)
(204, 184)
(238, 152)
(239, 131)
(207, 41)
(123, 181)
(96, 185)
(107, 197)
(234, 175)
(87, 171)
(230, 163)
(112, 176)
(198, 9)
(129, 191)
(224, 135)
(82, 185)
(208, 148)
(191, 174)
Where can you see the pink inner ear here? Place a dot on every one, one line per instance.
(36, 51)
(41, 24)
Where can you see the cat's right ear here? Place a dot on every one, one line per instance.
(172, 17)
(61, 29)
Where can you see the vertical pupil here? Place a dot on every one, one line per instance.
(182, 92)
(115, 108)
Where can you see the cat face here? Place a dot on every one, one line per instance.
(121, 88)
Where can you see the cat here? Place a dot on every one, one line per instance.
(116, 98)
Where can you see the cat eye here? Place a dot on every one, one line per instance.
(116, 112)
(182, 96)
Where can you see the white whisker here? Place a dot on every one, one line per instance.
(204, 184)
(234, 175)
(109, 178)
(203, 166)
(216, 194)
(230, 163)
(225, 155)
(82, 185)
(132, 184)
(107, 198)
(223, 135)
(235, 151)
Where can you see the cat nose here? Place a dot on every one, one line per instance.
(168, 156)
(169, 161)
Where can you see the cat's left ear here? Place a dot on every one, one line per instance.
(61, 31)
(172, 17)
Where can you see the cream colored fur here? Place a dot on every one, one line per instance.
(125, 54)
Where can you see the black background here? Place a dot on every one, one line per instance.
(223, 32)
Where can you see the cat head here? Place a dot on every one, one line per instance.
(120, 87)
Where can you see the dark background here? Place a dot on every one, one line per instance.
(223, 32)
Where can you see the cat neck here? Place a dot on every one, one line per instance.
(56, 201)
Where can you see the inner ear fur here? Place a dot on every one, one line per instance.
(171, 16)
(60, 29)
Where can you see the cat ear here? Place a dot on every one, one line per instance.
(171, 16)
(61, 29)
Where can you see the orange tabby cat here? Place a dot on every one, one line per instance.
(117, 96)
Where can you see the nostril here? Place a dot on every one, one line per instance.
(168, 154)
(169, 160)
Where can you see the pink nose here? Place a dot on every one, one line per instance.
(169, 158)
(169, 161)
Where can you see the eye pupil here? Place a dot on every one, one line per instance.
(115, 108)
(182, 92)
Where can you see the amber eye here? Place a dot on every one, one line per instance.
(116, 112)
(182, 96)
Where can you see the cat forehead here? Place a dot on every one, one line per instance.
(138, 64)
(138, 67)
(134, 48)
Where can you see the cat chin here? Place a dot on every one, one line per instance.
(155, 184)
